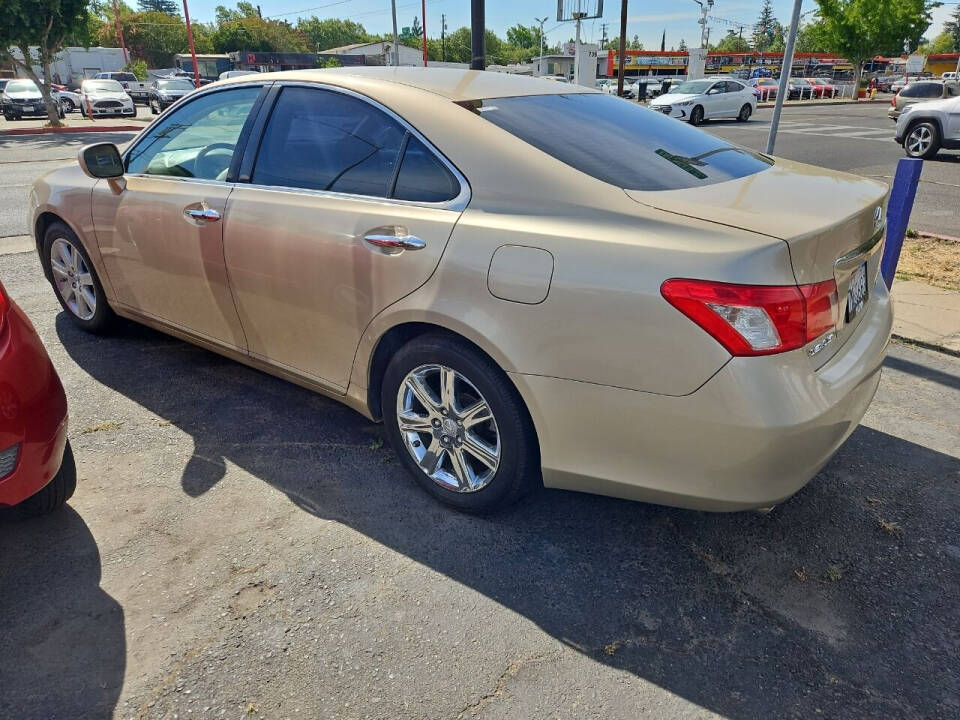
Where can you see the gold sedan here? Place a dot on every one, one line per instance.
(527, 282)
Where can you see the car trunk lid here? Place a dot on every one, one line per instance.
(831, 222)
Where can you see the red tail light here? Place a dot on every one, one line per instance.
(4, 306)
(893, 101)
(756, 319)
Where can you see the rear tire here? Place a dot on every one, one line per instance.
(745, 112)
(922, 140)
(56, 492)
(506, 434)
(102, 318)
(696, 115)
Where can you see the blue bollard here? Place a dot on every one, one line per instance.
(898, 214)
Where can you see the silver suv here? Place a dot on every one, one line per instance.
(924, 128)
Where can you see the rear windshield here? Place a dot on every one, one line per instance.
(923, 90)
(620, 142)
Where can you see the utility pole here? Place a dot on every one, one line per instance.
(193, 48)
(784, 75)
(705, 7)
(540, 62)
(623, 46)
(123, 47)
(578, 17)
(603, 41)
(423, 29)
(478, 39)
(443, 36)
(396, 40)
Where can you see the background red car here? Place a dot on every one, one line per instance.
(822, 88)
(37, 469)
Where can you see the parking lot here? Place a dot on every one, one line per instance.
(241, 547)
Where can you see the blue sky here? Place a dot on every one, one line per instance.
(647, 18)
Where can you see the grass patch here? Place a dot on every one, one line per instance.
(833, 573)
(930, 260)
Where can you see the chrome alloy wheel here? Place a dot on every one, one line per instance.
(448, 428)
(919, 140)
(73, 279)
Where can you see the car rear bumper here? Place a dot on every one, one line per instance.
(33, 410)
(751, 436)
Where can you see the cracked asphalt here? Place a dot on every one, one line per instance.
(240, 547)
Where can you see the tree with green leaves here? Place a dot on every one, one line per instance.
(38, 28)
(332, 33)
(244, 29)
(942, 43)
(168, 7)
(952, 26)
(683, 45)
(635, 44)
(862, 29)
(731, 43)
(812, 37)
(765, 29)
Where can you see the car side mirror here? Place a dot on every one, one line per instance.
(101, 161)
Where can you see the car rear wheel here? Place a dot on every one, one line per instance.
(922, 141)
(458, 425)
(56, 492)
(68, 105)
(745, 112)
(154, 108)
(75, 280)
(696, 115)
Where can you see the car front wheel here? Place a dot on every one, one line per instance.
(458, 425)
(56, 492)
(922, 140)
(75, 280)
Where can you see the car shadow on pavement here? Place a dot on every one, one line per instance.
(841, 602)
(62, 637)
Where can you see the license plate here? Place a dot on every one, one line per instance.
(857, 293)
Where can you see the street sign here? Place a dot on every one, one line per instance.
(915, 64)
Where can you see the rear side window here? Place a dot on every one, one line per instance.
(322, 140)
(620, 142)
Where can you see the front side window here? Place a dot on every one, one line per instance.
(620, 143)
(196, 141)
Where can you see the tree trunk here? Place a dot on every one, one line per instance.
(52, 106)
(857, 74)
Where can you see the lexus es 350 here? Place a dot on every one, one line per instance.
(527, 282)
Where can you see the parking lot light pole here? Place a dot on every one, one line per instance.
(478, 40)
(784, 75)
(623, 47)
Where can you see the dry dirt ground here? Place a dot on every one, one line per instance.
(932, 260)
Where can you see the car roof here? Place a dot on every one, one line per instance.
(452, 83)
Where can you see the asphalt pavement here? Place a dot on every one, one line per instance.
(241, 547)
(856, 139)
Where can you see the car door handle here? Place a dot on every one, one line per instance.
(395, 242)
(202, 214)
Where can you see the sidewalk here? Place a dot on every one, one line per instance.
(76, 123)
(926, 315)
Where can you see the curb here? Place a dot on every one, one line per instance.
(816, 103)
(935, 236)
(71, 130)
(926, 345)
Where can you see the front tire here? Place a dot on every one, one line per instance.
(696, 115)
(458, 425)
(68, 105)
(75, 280)
(745, 112)
(922, 140)
(56, 492)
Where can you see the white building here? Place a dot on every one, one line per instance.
(73, 65)
(376, 51)
(563, 65)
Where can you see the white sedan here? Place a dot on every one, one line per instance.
(105, 98)
(697, 100)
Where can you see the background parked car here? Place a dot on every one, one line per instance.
(135, 88)
(105, 97)
(697, 100)
(69, 100)
(22, 98)
(924, 128)
(37, 470)
(920, 92)
(766, 87)
(164, 93)
(800, 89)
(823, 88)
(227, 74)
(898, 84)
